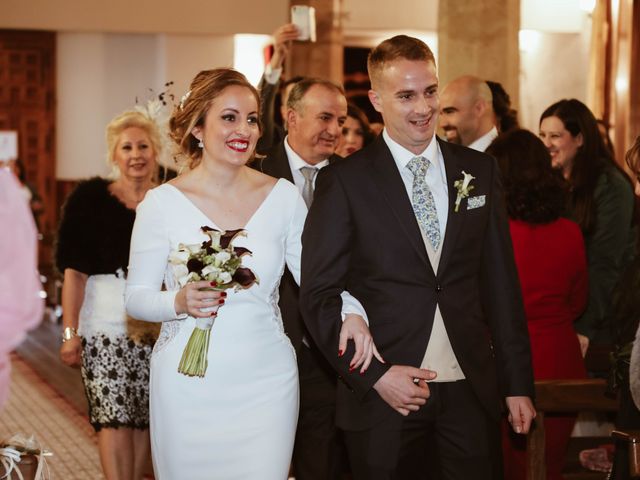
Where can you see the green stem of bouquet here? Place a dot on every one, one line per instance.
(194, 358)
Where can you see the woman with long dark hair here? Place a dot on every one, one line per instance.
(356, 132)
(601, 202)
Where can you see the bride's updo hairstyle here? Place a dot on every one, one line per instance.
(190, 113)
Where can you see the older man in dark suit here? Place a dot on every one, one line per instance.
(316, 110)
(416, 229)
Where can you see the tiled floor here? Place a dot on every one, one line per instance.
(40, 352)
(34, 408)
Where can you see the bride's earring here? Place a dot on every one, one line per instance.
(200, 144)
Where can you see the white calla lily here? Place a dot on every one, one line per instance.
(466, 180)
(215, 236)
(224, 277)
(180, 271)
(210, 269)
(184, 280)
(223, 256)
(179, 257)
(463, 186)
(193, 247)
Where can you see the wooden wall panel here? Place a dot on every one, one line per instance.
(27, 104)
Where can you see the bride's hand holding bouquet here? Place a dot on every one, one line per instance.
(199, 299)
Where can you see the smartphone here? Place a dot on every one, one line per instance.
(304, 17)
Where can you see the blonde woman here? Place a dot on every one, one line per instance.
(111, 350)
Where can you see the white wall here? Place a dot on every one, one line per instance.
(81, 79)
(557, 68)
(185, 55)
(560, 16)
(366, 23)
(100, 75)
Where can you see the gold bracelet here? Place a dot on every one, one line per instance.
(68, 333)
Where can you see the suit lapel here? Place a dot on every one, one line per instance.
(276, 163)
(335, 158)
(385, 174)
(453, 169)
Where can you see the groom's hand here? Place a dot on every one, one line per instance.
(405, 388)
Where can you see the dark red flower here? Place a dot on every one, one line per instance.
(240, 251)
(244, 277)
(194, 265)
(228, 237)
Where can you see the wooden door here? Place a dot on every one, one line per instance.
(27, 104)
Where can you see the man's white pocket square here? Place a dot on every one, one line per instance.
(476, 202)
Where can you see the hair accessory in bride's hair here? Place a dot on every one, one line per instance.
(183, 100)
(154, 108)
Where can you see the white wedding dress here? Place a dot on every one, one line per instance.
(239, 421)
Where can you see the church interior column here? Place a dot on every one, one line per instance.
(324, 57)
(481, 39)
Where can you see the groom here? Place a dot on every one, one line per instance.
(430, 258)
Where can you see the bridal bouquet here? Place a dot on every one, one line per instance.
(219, 262)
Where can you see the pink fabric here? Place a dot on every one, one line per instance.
(20, 304)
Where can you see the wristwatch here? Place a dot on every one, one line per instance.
(68, 333)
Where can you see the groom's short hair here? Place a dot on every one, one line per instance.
(394, 48)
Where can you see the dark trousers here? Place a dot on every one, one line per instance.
(450, 438)
(319, 448)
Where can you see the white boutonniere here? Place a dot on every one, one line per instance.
(464, 187)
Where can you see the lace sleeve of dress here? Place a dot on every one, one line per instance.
(148, 258)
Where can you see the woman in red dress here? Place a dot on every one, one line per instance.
(551, 261)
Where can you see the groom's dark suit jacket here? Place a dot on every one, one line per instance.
(361, 235)
(276, 164)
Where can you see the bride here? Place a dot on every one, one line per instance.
(239, 420)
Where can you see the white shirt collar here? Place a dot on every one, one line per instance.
(482, 143)
(402, 156)
(296, 162)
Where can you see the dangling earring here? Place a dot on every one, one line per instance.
(200, 144)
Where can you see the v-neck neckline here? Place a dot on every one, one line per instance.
(213, 223)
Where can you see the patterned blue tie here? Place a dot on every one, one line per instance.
(424, 206)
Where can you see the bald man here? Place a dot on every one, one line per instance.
(466, 113)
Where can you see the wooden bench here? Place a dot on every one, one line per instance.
(632, 440)
(564, 396)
